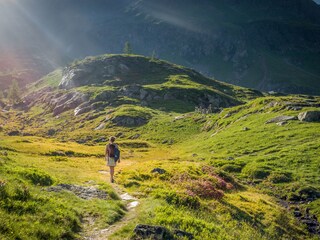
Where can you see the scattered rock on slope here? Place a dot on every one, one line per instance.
(158, 170)
(82, 192)
(309, 116)
(282, 119)
(158, 232)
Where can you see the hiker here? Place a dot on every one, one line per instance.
(112, 156)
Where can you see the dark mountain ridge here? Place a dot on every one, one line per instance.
(268, 45)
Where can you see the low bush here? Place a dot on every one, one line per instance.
(129, 184)
(37, 177)
(256, 171)
(231, 168)
(280, 177)
(303, 193)
(204, 189)
(3, 190)
(22, 193)
(308, 192)
(179, 199)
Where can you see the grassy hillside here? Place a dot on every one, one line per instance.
(231, 174)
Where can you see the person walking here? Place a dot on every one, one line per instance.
(112, 156)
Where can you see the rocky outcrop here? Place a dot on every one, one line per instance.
(309, 116)
(67, 102)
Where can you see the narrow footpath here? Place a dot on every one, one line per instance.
(130, 202)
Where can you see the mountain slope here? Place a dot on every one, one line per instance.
(244, 168)
(267, 45)
(111, 80)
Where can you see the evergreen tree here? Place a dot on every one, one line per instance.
(127, 48)
(153, 55)
(14, 92)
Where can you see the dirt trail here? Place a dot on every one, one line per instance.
(103, 234)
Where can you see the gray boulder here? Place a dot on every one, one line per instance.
(151, 232)
(282, 119)
(142, 231)
(14, 133)
(309, 116)
(158, 170)
(101, 126)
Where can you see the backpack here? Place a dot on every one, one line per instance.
(114, 152)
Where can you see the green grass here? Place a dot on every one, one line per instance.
(51, 80)
(209, 159)
(224, 172)
(24, 176)
(133, 111)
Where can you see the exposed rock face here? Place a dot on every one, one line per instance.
(309, 116)
(67, 102)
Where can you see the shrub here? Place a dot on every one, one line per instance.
(280, 177)
(3, 190)
(179, 199)
(303, 193)
(129, 184)
(293, 197)
(308, 192)
(22, 193)
(223, 180)
(38, 178)
(231, 168)
(204, 189)
(256, 172)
